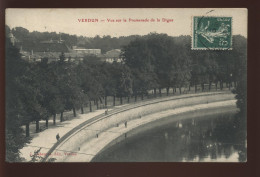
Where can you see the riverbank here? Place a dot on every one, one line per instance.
(89, 149)
(87, 141)
(128, 112)
(176, 138)
(176, 118)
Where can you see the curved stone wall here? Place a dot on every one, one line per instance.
(91, 131)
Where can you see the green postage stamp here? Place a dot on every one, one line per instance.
(214, 33)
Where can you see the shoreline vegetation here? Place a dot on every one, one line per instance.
(151, 64)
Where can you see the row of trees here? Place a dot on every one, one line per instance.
(38, 91)
(41, 90)
(160, 61)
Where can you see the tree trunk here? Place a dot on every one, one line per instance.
(216, 85)
(142, 97)
(61, 117)
(154, 92)
(209, 86)
(82, 110)
(202, 86)
(128, 99)
(47, 123)
(106, 101)
(121, 100)
(221, 85)
(54, 119)
(90, 106)
(189, 87)
(27, 129)
(135, 97)
(175, 89)
(74, 112)
(114, 100)
(167, 90)
(180, 89)
(195, 88)
(235, 84)
(97, 104)
(160, 92)
(37, 126)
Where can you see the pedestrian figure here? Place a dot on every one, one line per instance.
(58, 137)
(79, 149)
(125, 135)
(140, 116)
(97, 135)
(125, 124)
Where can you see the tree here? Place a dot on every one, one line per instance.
(20, 101)
(68, 84)
(20, 33)
(123, 79)
(240, 122)
(108, 80)
(138, 57)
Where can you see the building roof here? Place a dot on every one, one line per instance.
(115, 53)
(86, 49)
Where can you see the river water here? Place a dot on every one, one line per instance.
(201, 139)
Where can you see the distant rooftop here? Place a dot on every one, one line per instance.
(115, 53)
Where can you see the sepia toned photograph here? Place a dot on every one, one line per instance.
(126, 85)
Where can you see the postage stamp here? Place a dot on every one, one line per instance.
(213, 33)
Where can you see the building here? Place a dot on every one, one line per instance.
(13, 39)
(112, 56)
(52, 49)
(86, 51)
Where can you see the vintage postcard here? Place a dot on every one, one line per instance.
(126, 85)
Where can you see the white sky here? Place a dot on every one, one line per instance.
(66, 20)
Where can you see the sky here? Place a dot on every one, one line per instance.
(70, 20)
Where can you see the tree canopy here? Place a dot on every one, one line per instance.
(35, 91)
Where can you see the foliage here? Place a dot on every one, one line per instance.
(35, 91)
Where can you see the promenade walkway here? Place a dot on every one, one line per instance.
(46, 140)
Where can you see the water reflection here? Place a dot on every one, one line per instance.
(208, 138)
